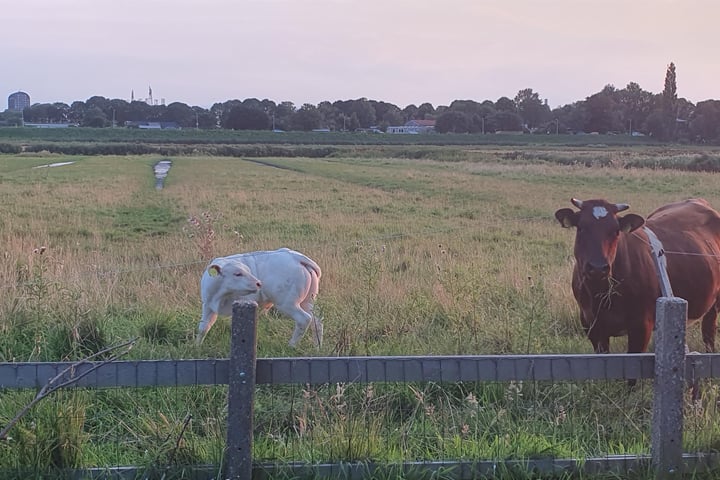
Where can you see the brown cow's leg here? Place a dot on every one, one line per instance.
(709, 327)
(601, 344)
(639, 338)
(638, 341)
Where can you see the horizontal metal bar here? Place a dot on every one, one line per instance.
(142, 373)
(454, 368)
(461, 470)
(318, 370)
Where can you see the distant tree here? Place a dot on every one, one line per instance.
(97, 101)
(382, 109)
(504, 104)
(425, 111)
(180, 113)
(245, 118)
(46, 113)
(222, 111)
(283, 115)
(531, 108)
(573, 117)
(217, 110)
(268, 106)
(683, 112)
(330, 117)
(204, 118)
(76, 112)
(119, 110)
(306, 118)
(94, 117)
(636, 105)
(410, 112)
(11, 118)
(391, 117)
(468, 107)
(477, 124)
(603, 114)
(704, 124)
(656, 125)
(669, 101)
(253, 103)
(440, 109)
(364, 112)
(504, 120)
(352, 123)
(670, 90)
(139, 111)
(60, 112)
(481, 122)
(452, 122)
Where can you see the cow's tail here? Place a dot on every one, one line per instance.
(315, 274)
(312, 267)
(309, 264)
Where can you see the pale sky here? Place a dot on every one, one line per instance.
(200, 52)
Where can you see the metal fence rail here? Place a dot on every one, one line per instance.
(319, 370)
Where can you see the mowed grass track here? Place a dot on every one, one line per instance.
(419, 257)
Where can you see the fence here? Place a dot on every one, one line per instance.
(242, 372)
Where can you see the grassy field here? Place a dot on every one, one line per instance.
(419, 256)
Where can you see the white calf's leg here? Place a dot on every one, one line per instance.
(302, 320)
(316, 325)
(207, 321)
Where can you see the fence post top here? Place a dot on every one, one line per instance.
(241, 304)
(671, 300)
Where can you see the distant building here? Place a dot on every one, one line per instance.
(144, 125)
(414, 126)
(18, 101)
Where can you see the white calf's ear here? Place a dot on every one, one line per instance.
(214, 270)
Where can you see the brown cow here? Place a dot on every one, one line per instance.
(615, 281)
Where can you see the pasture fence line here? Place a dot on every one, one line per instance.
(242, 371)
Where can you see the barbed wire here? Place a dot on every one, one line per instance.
(676, 252)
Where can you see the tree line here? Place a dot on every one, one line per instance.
(630, 111)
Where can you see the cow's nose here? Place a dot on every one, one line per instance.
(597, 269)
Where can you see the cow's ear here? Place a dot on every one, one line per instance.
(214, 270)
(567, 217)
(630, 222)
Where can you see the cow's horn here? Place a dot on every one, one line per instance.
(622, 206)
(577, 203)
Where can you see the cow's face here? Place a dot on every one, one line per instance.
(598, 232)
(236, 277)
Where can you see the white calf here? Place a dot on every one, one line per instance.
(282, 278)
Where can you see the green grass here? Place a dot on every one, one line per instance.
(419, 257)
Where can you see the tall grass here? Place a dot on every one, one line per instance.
(418, 257)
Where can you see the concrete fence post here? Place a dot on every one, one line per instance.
(241, 391)
(669, 387)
